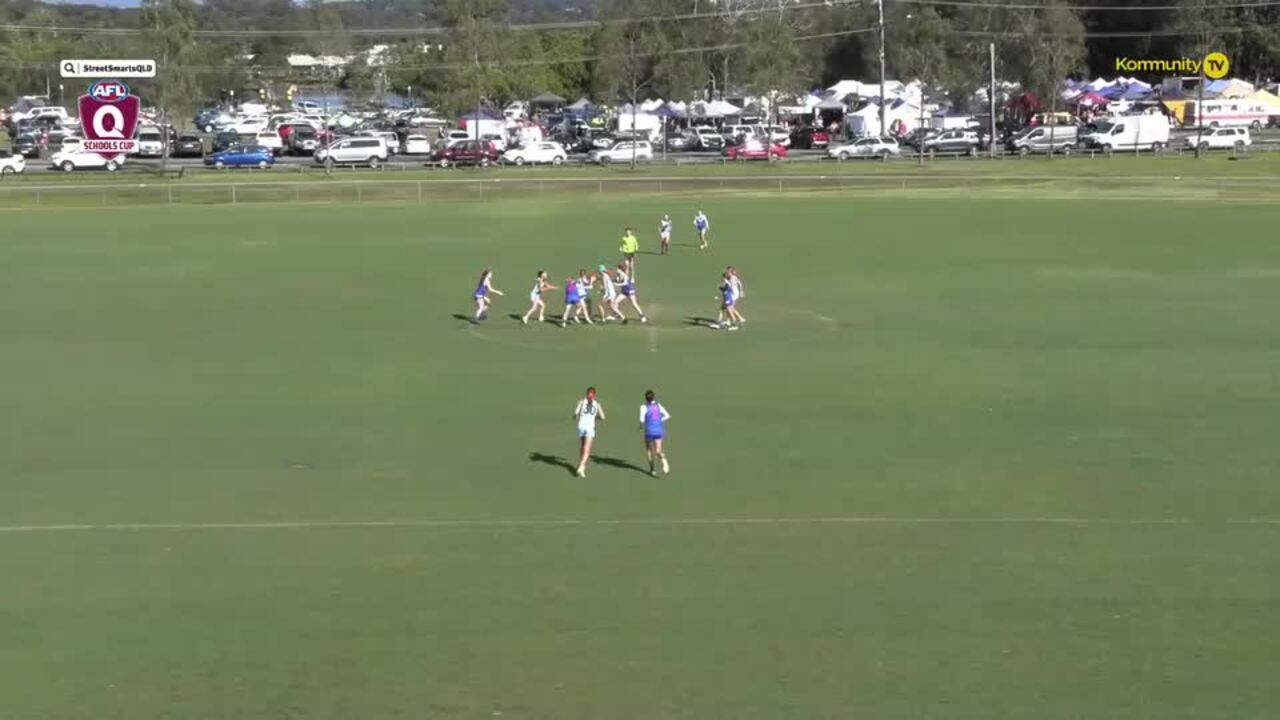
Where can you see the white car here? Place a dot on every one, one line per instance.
(11, 164)
(68, 160)
(271, 140)
(426, 121)
(369, 151)
(779, 135)
(221, 121)
(150, 144)
(540, 152)
(1222, 138)
(641, 150)
(391, 140)
(417, 145)
(249, 126)
(499, 142)
(451, 138)
(865, 147)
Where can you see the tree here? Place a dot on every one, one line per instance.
(920, 53)
(169, 26)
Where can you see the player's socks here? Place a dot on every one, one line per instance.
(665, 467)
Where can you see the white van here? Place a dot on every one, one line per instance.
(1045, 139)
(371, 151)
(1131, 132)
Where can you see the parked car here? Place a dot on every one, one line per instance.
(150, 143)
(422, 120)
(225, 139)
(389, 138)
(303, 140)
(417, 145)
(270, 139)
(778, 135)
(353, 151)
(1130, 132)
(187, 146)
(242, 156)
(641, 150)
(865, 147)
(952, 141)
(68, 160)
(1045, 139)
(11, 163)
(28, 146)
(249, 126)
(499, 142)
(468, 152)
(213, 119)
(681, 141)
(453, 137)
(1236, 138)
(810, 138)
(756, 149)
(541, 152)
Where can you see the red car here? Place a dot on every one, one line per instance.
(810, 138)
(756, 149)
(468, 152)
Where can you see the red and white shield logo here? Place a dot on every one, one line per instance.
(109, 117)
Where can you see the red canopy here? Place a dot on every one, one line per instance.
(1090, 99)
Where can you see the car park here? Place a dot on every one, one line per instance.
(866, 147)
(224, 140)
(541, 152)
(11, 163)
(368, 151)
(302, 139)
(187, 145)
(626, 151)
(249, 126)
(242, 156)
(709, 139)
(756, 149)
(1045, 139)
(69, 160)
(469, 152)
(1221, 138)
(681, 141)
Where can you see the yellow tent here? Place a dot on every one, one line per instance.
(1177, 108)
(1270, 100)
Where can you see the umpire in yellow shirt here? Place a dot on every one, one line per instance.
(629, 247)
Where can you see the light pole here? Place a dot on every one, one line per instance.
(62, 97)
(880, 12)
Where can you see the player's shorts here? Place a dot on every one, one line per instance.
(571, 299)
(629, 289)
(629, 256)
(666, 236)
(479, 295)
(586, 432)
(650, 437)
(535, 296)
(729, 301)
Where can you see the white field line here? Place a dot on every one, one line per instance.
(630, 522)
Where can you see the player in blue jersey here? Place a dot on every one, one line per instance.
(481, 295)
(540, 285)
(575, 303)
(702, 225)
(653, 419)
(664, 234)
(728, 299)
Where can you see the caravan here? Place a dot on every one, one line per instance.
(1131, 132)
(1227, 112)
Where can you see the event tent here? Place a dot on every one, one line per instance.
(547, 99)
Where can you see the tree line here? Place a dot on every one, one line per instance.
(456, 54)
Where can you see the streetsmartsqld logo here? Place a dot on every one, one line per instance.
(109, 117)
(1215, 65)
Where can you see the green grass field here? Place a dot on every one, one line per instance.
(970, 459)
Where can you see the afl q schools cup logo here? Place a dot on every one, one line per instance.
(109, 117)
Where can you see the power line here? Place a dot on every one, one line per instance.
(1092, 8)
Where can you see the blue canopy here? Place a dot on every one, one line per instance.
(1111, 92)
(667, 111)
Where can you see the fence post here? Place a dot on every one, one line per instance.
(600, 187)
(359, 193)
(37, 197)
(779, 186)
(170, 194)
(233, 193)
(297, 193)
(419, 191)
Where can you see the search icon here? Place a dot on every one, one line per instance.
(69, 69)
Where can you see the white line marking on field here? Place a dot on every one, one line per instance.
(668, 522)
(653, 339)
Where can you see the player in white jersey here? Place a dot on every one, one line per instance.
(540, 285)
(628, 285)
(609, 297)
(702, 225)
(739, 292)
(585, 413)
(728, 298)
(664, 234)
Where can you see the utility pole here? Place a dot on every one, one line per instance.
(880, 11)
(1200, 109)
(634, 134)
(991, 101)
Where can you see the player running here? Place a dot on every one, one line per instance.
(540, 285)
(586, 413)
(702, 225)
(653, 418)
(608, 297)
(481, 295)
(629, 246)
(628, 285)
(664, 234)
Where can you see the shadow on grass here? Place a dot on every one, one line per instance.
(555, 460)
(703, 321)
(617, 463)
